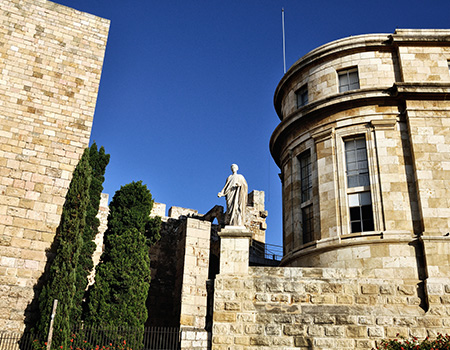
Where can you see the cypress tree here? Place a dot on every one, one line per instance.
(61, 282)
(122, 279)
(98, 160)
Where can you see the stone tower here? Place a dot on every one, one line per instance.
(51, 62)
(364, 147)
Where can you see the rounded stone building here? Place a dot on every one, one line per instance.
(364, 151)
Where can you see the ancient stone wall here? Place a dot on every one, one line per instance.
(51, 61)
(322, 308)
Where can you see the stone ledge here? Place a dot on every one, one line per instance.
(234, 231)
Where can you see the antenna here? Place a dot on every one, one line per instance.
(284, 41)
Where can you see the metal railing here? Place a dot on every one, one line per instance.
(87, 338)
(266, 251)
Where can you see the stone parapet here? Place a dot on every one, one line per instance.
(322, 308)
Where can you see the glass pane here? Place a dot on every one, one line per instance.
(351, 156)
(353, 76)
(352, 166)
(356, 227)
(362, 154)
(349, 145)
(354, 86)
(366, 211)
(343, 79)
(364, 180)
(360, 143)
(353, 181)
(353, 200)
(365, 198)
(355, 214)
(363, 165)
(368, 225)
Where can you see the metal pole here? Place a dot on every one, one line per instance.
(50, 331)
(284, 41)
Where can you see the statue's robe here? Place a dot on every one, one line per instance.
(236, 193)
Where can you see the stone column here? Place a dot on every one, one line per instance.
(234, 250)
(193, 290)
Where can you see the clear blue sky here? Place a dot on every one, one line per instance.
(187, 86)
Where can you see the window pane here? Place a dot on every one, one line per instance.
(353, 200)
(365, 198)
(363, 180)
(302, 96)
(348, 80)
(360, 142)
(355, 214)
(368, 225)
(356, 227)
(353, 76)
(305, 176)
(356, 162)
(361, 154)
(307, 224)
(361, 212)
(353, 181)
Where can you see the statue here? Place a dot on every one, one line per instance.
(236, 192)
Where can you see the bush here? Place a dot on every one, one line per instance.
(440, 343)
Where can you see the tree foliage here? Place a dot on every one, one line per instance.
(122, 279)
(98, 160)
(67, 275)
(61, 282)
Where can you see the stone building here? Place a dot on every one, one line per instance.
(51, 61)
(364, 151)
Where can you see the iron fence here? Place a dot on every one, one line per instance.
(98, 338)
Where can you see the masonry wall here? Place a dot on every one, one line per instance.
(322, 308)
(51, 61)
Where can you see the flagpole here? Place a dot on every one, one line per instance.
(284, 41)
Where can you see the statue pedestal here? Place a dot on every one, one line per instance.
(234, 250)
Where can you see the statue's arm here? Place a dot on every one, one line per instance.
(225, 188)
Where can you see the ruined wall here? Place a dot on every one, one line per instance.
(51, 61)
(322, 308)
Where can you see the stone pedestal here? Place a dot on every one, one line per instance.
(234, 250)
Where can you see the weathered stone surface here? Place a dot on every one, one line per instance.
(45, 125)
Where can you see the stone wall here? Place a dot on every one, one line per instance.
(322, 308)
(51, 61)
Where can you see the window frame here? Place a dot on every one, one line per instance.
(364, 188)
(304, 160)
(346, 72)
(302, 97)
(305, 164)
(368, 130)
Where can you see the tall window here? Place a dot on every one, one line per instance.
(302, 96)
(358, 185)
(306, 197)
(348, 79)
(305, 176)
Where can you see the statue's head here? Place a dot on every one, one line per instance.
(234, 168)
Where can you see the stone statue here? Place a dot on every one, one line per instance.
(236, 192)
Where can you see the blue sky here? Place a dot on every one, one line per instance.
(187, 86)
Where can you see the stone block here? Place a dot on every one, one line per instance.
(224, 317)
(356, 331)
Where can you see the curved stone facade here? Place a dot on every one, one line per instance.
(364, 152)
